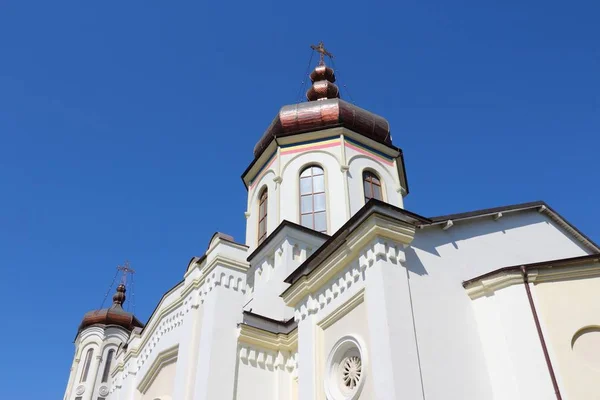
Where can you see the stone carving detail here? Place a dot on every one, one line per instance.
(351, 371)
(346, 368)
(268, 359)
(80, 389)
(103, 391)
(352, 274)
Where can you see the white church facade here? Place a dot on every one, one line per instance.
(339, 293)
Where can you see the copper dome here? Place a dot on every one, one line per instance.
(323, 114)
(324, 110)
(113, 315)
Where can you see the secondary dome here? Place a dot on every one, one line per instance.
(113, 315)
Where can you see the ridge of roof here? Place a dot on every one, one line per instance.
(486, 211)
(542, 207)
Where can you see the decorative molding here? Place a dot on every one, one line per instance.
(103, 391)
(488, 285)
(268, 340)
(352, 275)
(278, 179)
(230, 275)
(497, 216)
(267, 359)
(80, 390)
(162, 359)
(376, 226)
(247, 214)
(342, 310)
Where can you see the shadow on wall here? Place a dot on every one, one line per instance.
(413, 263)
(431, 238)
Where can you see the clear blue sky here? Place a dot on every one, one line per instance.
(125, 127)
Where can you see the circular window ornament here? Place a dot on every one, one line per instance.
(80, 389)
(103, 391)
(346, 369)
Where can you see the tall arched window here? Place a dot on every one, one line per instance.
(86, 365)
(262, 215)
(106, 371)
(312, 199)
(372, 186)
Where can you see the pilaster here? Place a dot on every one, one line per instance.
(222, 311)
(307, 364)
(188, 356)
(393, 348)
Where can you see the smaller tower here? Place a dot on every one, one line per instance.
(320, 161)
(99, 336)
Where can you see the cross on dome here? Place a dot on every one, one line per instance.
(320, 48)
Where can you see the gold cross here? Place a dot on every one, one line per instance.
(320, 48)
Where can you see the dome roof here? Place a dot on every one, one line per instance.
(324, 109)
(113, 315)
(322, 114)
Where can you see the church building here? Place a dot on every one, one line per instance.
(340, 293)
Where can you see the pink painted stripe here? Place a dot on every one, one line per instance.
(368, 153)
(315, 147)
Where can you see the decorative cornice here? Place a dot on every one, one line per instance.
(268, 340)
(342, 310)
(375, 226)
(193, 294)
(267, 359)
(351, 278)
(161, 360)
(490, 283)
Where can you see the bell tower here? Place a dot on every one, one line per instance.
(319, 162)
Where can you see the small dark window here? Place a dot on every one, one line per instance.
(262, 215)
(86, 365)
(109, 358)
(313, 212)
(372, 186)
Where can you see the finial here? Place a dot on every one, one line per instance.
(119, 296)
(320, 48)
(322, 78)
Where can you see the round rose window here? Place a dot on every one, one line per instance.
(345, 373)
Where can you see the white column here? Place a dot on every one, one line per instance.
(187, 355)
(216, 368)
(307, 352)
(393, 348)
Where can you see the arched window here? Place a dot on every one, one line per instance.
(312, 199)
(262, 215)
(86, 365)
(106, 371)
(372, 186)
